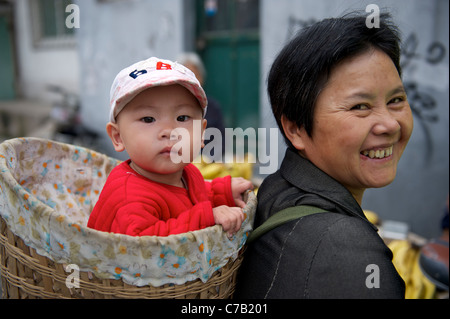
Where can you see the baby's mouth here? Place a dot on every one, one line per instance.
(167, 150)
(380, 153)
(171, 150)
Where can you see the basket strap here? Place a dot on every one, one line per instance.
(282, 217)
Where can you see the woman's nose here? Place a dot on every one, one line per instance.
(387, 123)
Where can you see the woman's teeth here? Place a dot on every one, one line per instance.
(378, 153)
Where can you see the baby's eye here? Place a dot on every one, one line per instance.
(183, 118)
(360, 107)
(148, 119)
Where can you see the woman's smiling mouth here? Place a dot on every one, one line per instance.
(379, 154)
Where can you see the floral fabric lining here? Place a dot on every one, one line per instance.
(47, 191)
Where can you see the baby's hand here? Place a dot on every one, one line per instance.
(230, 218)
(238, 186)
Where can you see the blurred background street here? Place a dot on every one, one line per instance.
(58, 62)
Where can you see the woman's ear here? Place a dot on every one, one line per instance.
(293, 133)
(114, 134)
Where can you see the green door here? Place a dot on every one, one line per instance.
(228, 42)
(6, 60)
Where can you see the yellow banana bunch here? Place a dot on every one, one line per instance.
(213, 170)
(406, 261)
(372, 217)
(421, 287)
(403, 257)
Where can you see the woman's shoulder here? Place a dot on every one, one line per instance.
(346, 249)
(329, 240)
(332, 252)
(310, 234)
(337, 228)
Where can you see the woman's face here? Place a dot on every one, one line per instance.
(362, 123)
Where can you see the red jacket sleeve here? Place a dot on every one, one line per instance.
(219, 191)
(144, 219)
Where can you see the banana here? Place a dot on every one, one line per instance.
(199, 162)
(247, 166)
(243, 168)
(400, 249)
(212, 170)
(406, 261)
(372, 217)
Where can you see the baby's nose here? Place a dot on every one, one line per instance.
(176, 134)
(170, 133)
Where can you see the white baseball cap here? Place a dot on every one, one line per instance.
(150, 73)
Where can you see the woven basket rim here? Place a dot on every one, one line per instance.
(224, 278)
(50, 273)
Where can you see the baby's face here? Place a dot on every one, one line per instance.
(150, 125)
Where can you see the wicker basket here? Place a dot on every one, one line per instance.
(26, 274)
(27, 270)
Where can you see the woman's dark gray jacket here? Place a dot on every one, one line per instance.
(327, 255)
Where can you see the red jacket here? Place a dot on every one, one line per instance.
(134, 205)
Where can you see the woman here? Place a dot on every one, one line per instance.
(337, 95)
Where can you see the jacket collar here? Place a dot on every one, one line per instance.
(303, 174)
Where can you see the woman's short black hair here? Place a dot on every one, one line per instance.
(302, 68)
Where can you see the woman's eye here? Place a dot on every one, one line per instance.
(360, 107)
(147, 119)
(397, 100)
(182, 118)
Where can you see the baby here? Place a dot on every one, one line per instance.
(150, 194)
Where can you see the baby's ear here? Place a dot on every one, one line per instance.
(204, 124)
(114, 134)
(293, 133)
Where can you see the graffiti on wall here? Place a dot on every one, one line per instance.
(423, 104)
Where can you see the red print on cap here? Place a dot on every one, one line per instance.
(163, 66)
